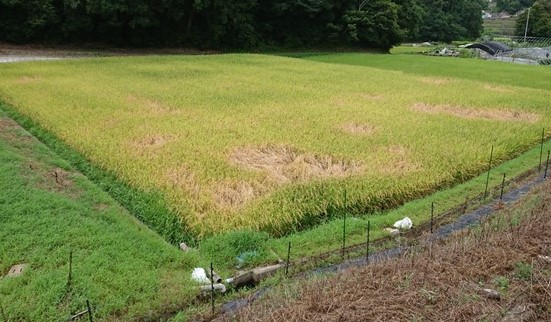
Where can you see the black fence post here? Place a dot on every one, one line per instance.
(489, 168)
(211, 288)
(431, 217)
(367, 243)
(343, 235)
(288, 259)
(541, 149)
(89, 308)
(70, 276)
(344, 226)
(502, 187)
(546, 164)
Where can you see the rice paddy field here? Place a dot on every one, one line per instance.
(279, 144)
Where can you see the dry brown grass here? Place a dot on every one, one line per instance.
(235, 194)
(27, 79)
(470, 113)
(183, 178)
(441, 282)
(497, 89)
(152, 106)
(284, 164)
(6, 123)
(339, 102)
(400, 161)
(371, 97)
(435, 80)
(357, 129)
(152, 141)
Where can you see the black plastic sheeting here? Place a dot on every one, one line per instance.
(465, 221)
(491, 47)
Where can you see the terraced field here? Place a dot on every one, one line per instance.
(274, 143)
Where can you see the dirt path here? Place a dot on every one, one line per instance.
(22, 58)
(20, 53)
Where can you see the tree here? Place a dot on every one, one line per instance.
(448, 20)
(411, 16)
(26, 20)
(226, 23)
(539, 24)
(238, 23)
(374, 24)
(512, 6)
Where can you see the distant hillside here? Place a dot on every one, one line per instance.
(512, 6)
(503, 26)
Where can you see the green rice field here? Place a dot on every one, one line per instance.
(280, 144)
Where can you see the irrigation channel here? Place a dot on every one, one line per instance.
(447, 223)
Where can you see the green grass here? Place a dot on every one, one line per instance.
(481, 71)
(409, 49)
(124, 269)
(271, 143)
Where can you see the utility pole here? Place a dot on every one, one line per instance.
(526, 28)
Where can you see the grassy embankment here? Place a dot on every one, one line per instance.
(48, 210)
(508, 254)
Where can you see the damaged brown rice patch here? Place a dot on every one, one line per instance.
(399, 162)
(469, 113)
(152, 106)
(497, 89)
(232, 194)
(286, 164)
(435, 81)
(27, 79)
(357, 128)
(152, 141)
(373, 97)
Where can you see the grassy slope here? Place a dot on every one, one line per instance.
(171, 124)
(122, 267)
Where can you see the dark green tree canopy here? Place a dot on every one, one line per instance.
(449, 20)
(239, 24)
(513, 6)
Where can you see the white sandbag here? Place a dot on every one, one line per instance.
(200, 276)
(405, 223)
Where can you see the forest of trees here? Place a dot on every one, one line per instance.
(239, 24)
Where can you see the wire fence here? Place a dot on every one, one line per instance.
(524, 50)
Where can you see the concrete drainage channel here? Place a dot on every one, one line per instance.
(525, 183)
